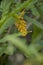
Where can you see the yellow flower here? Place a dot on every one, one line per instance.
(21, 24)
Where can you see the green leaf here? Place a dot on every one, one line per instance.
(6, 25)
(5, 5)
(28, 51)
(34, 11)
(2, 49)
(10, 49)
(23, 6)
(36, 31)
(35, 22)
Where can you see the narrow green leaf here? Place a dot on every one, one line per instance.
(35, 22)
(6, 25)
(34, 11)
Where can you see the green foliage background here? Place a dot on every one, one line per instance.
(9, 36)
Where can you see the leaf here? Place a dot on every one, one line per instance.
(2, 49)
(23, 6)
(6, 24)
(36, 31)
(28, 51)
(10, 49)
(5, 5)
(34, 11)
(35, 22)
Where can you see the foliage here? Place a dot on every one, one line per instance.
(30, 21)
